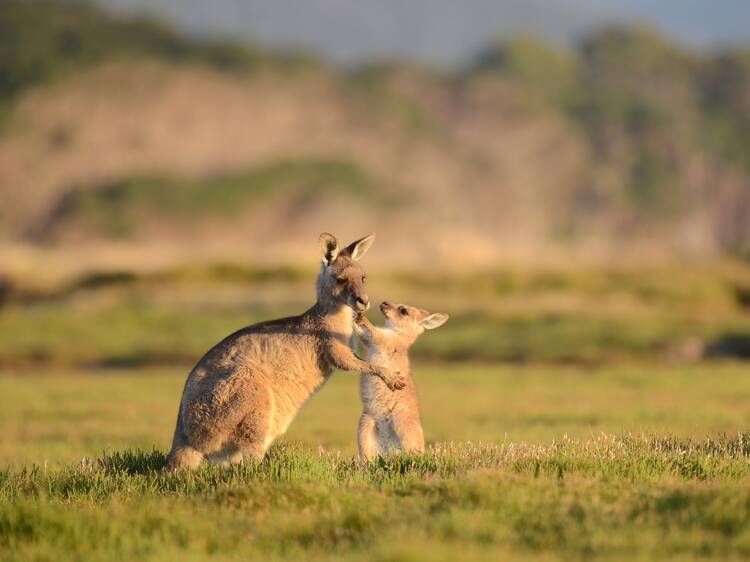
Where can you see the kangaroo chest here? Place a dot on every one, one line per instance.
(304, 377)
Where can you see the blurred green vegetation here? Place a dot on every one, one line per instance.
(550, 72)
(114, 209)
(42, 39)
(595, 316)
(727, 119)
(654, 114)
(629, 77)
(632, 91)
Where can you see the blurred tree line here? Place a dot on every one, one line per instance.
(635, 93)
(41, 39)
(646, 105)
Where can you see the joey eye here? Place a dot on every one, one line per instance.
(364, 279)
(402, 310)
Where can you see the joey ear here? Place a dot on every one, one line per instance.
(434, 321)
(329, 248)
(358, 248)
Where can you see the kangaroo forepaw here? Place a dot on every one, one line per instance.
(396, 383)
(393, 379)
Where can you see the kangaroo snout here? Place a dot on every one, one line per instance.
(362, 303)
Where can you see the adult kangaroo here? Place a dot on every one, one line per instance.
(248, 388)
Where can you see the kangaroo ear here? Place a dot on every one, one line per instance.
(434, 321)
(357, 249)
(329, 247)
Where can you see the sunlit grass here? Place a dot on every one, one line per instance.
(561, 425)
(607, 497)
(65, 415)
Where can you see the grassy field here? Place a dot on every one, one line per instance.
(577, 405)
(64, 416)
(572, 316)
(569, 416)
(635, 461)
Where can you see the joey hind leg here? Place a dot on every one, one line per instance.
(367, 439)
(408, 432)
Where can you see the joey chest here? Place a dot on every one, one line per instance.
(377, 399)
(377, 356)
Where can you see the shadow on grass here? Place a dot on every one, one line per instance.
(285, 461)
(132, 462)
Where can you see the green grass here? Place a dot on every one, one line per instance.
(605, 499)
(113, 209)
(63, 415)
(637, 461)
(124, 318)
(589, 445)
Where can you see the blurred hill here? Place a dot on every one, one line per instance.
(122, 139)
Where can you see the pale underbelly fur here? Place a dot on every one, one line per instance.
(379, 403)
(285, 405)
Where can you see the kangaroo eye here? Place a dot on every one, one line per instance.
(403, 310)
(341, 280)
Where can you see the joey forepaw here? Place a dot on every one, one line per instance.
(393, 379)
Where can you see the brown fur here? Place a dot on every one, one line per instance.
(248, 388)
(390, 418)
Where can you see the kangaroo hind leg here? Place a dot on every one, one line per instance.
(253, 433)
(183, 455)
